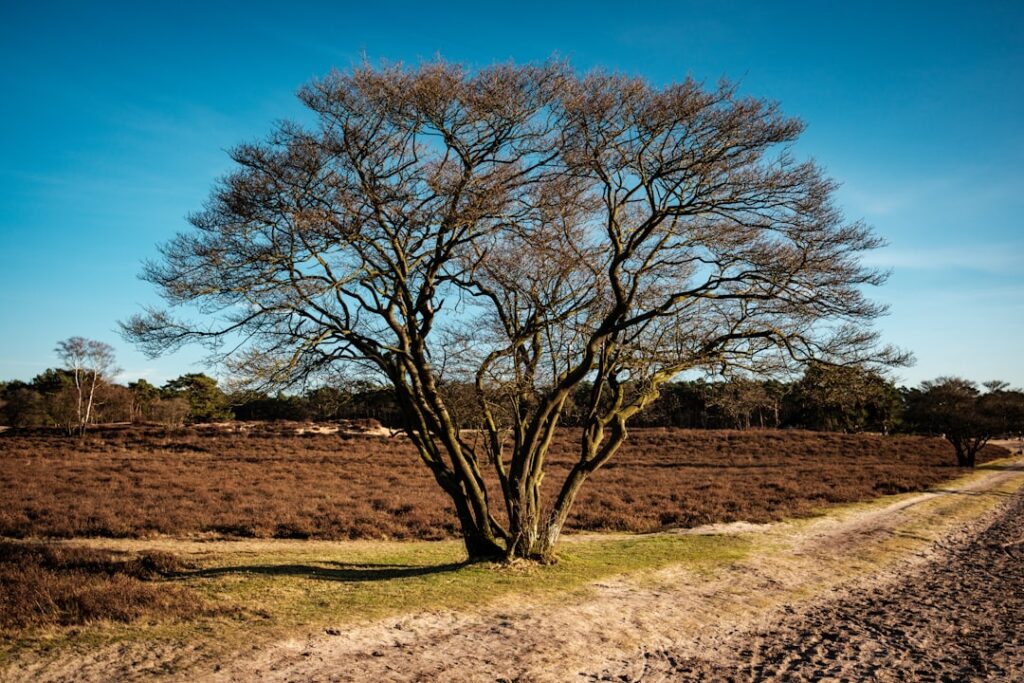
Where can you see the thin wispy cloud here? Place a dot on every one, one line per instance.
(992, 258)
(963, 191)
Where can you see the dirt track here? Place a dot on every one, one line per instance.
(958, 617)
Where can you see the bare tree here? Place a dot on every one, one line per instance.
(516, 232)
(90, 363)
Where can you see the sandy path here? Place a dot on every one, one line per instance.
(673, 624)
(958, 617)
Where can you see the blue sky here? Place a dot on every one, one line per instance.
(117, 118)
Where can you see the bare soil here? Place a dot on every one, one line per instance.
(960, 617)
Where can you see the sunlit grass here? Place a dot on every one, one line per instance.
(349, 585)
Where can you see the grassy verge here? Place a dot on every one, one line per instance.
(342, 586)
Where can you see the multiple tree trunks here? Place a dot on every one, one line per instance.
(521, 230)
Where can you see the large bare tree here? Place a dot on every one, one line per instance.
(504, 236)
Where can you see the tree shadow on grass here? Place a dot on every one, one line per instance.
(349, 572)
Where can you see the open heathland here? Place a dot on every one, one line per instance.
(273, 482)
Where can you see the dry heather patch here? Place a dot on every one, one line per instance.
(44, 585)
(133, 482)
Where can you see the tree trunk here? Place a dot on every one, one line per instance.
(967, 449)
(481, 545)
(964, 453)
(961, 456)
(533, 541)
(546, 536)
(477, 536)
(972, 452)
(524, 506)
(92, 395)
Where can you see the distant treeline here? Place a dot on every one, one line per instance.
(826, 398)
(50, 400)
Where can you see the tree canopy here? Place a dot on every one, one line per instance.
(956, 409)
(518, 232)
(207, 403)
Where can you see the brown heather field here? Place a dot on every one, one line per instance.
(137, 482)
(42, 584)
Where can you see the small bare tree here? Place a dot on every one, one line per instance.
(510, 235)
(90, 363)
